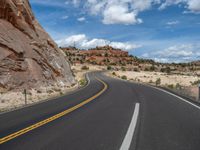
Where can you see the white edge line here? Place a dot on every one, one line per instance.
(130, 132)
(176, 97)
(88, 79)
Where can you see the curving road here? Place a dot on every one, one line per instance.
(108, 114)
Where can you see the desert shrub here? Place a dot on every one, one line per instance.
(146, 69)
(113, 64)
(85, 68)
(158, 81)
(178, 86)
(136, 69)
(114, 74)
(109, 68)
(50, 91)
(124, 77)
(196, 82)
(150, 81)
(171, 86)
(162, 69)
(166, 70)
(123, 68)
(61, 93)
(123, 64)
(81, 61)
(152, 68)
(38, 91)
(82, 82)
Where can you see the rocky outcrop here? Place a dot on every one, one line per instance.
(105, 55)
(28, 56)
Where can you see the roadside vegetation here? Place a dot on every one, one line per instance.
(85, 68)
(82, 82)
(109, 68)
(158, 82)
(124, 77)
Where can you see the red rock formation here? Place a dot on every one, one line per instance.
(100, 55)
(28, 56)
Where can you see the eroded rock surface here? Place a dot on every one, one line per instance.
(28, 56)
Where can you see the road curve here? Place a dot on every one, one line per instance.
(108, 114)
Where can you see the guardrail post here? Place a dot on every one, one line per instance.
(25, 96)
(199, 93)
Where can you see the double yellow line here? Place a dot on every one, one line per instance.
(59, 115)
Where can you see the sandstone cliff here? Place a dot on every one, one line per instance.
(28, 56)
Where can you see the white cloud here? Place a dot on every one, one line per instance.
(74, 39)
(142, 5)
(119, 11)
(173, 22)
(117, 14)
(122, 11)
(75, 2)
(125, 46)
(127, 11)
(176, 53)
(81, 19)
(65, 17)
(167, 3)
(82, 41)
(48, 3)
(192, 5)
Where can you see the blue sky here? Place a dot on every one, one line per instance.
(163, 30)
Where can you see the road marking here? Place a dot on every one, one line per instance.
(59, 115)
(43, 101)
(198, 107)
(130, 132)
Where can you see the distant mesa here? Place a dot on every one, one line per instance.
(28, 55)
(109, 56)
(105, 55)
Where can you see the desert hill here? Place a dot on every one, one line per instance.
(105, 55)
(117, 59)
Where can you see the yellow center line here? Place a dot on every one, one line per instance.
(59, 115)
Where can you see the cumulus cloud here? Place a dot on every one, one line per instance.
(194, 5)
(119, 11)
(191, 5)
(81, 19)
(65, 17)
(176, 53)
(173, 22)
(117, 14)
(127, 11)
(83, 42)
(167, 3)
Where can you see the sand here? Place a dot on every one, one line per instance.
(166, 79)
(185, 81)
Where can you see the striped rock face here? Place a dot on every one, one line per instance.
(28, 56)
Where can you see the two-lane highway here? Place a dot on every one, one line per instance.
(108, 114)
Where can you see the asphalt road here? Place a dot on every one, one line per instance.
(108, 114)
